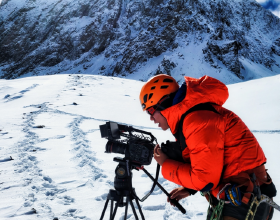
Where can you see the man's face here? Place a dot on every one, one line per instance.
(160, 120)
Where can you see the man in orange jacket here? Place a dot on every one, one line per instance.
(217, 148)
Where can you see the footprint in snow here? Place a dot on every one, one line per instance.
(66, 200)
(20, 94)
(102, 197)
(74, 214)
(154, 207)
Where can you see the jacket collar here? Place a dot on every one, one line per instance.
(202, 90)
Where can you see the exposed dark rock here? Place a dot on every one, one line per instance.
(165, 67)
(276, 47)
(39, 126)
(127, 34)
(227, 53)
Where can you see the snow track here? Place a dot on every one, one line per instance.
(42, 189)
(20, 94)
(84, 156)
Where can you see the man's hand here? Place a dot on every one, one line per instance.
(159, 156)
(178, 194)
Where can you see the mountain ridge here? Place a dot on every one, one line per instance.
(139, 38)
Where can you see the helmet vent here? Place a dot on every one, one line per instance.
(153, 88)
(156, 81)
(145, 98)
(164, 87)
(151, 95)
(168, 80)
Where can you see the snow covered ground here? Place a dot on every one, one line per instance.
(49, 125)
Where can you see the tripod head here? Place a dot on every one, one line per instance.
(123, 177)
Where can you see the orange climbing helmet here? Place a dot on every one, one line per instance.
(155, 89)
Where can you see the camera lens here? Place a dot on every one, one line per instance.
(115, 147)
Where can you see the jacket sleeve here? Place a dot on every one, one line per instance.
(204, 136)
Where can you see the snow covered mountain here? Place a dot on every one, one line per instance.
(232, 40)
(49, 125)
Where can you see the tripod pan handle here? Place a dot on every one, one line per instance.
(178, 205)
(174, 201)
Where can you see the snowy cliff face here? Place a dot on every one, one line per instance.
(139, 38)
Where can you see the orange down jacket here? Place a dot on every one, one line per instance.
(216, 143)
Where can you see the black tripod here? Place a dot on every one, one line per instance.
(123, 189)
(117, 196)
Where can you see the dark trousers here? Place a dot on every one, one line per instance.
(230, 212)
(264, 211)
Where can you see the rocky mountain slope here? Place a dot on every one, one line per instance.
(138, 38)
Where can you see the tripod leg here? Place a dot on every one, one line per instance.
(111, 210)
(133, 208)
(104, 209)
(115, 210)
(126, 208)
(140, 210)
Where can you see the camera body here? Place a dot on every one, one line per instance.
(136, 145)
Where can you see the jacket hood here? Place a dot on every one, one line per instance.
(202, 90)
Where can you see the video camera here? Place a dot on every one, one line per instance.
(136, 145)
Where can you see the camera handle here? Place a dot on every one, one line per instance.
(174, 201)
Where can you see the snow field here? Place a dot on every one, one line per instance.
(49, 125)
